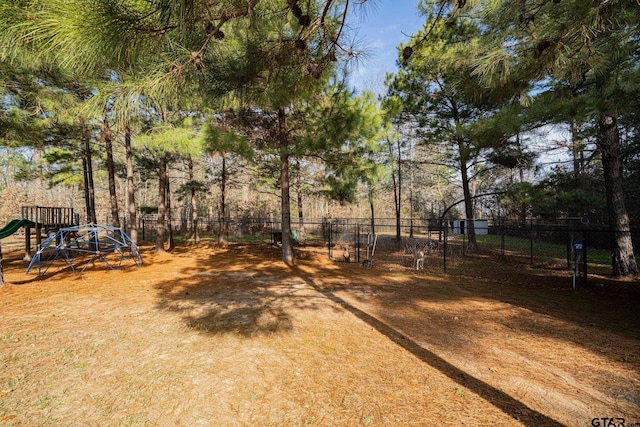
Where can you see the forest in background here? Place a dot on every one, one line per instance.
(500, 109)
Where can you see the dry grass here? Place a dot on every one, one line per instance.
(226, 337)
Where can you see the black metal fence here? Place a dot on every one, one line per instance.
(570, 243)
(311, 231)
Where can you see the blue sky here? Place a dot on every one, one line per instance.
(382, 27)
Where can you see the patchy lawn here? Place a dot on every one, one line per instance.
(232, 336)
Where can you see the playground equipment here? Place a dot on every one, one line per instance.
(47, 219)
(41, 219)
(80, 246)
(14, 226)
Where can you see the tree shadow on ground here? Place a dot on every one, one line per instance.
(507, 307)
(496, 397)
(254, 294)
(247, 291)
(238, 290)
(607, 305)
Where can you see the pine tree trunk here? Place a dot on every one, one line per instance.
(399, 198)
(87, 202)
(411, 205)
(194, 205)
(577, 150)
(287, 249)
(92, 186)
(224, 229)
(623, 260)
(396, 178)
(111, 173)
(470, 229)
(162, 191)
(396, 199)
(372, 210)
(131, 190)
(300, 213)
(169, 213)
(89, 188)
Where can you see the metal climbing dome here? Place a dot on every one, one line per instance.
(80, 246)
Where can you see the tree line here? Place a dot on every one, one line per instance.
(255, 95)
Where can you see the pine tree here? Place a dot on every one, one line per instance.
(449, 105)
(591, 49)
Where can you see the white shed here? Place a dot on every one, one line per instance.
(481, 226)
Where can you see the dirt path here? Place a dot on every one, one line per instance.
(227, 337)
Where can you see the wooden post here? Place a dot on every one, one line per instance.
(27, 244)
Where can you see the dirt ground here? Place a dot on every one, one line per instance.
(232, 336)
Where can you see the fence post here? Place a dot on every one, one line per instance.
(502, 231)
(572, 234)
(358, 243)
(584, 257)
(444, 257)
(531, 240)
(570, 239)
(464, 241)
(329, 245)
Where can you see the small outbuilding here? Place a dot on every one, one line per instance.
(481, 226)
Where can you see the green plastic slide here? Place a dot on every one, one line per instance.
(14, 226)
